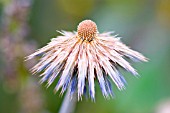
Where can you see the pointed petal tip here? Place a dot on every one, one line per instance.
(146, 59)
(28, 57)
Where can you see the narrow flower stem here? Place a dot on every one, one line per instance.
(68, 104)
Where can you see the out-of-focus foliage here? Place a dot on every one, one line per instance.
(143, 24)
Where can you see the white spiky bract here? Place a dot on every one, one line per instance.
(79, 58)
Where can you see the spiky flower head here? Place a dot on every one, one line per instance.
(79, 58)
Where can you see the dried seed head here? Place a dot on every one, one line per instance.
(87, 30)
(78, 64)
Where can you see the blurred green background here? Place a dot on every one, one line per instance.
(26, 25)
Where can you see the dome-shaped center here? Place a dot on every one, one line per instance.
(87, 30)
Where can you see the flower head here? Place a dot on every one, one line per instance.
(79, 58)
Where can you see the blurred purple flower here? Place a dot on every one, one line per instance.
(79, 58)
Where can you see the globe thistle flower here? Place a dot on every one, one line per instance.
(79, 58)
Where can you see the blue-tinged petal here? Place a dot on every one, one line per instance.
(69, 66)
(122, 78)
(93, 58)
(67, 82)
(73, 85)
(133, 58)
(46, 75)
(91, 74)
(108, 86)
(42, 67)
(116, 57)
(57, 71)
(101, 81)
(82, 70)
